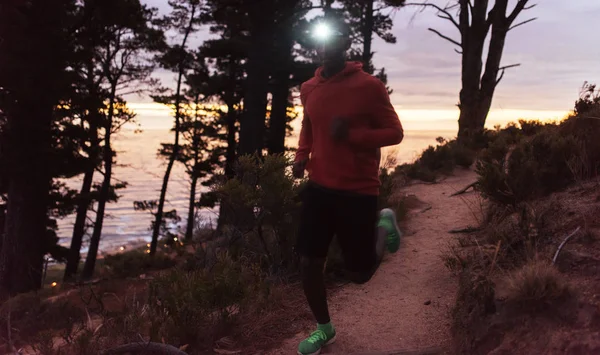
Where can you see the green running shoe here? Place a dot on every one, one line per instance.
(387, 220)
(323, 336)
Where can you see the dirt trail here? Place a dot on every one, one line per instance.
(406, 305)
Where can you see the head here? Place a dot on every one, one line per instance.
(332, 37)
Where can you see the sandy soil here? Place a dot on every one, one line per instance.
(406, 305)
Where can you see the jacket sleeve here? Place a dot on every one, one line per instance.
(305, 140)
(386, 129)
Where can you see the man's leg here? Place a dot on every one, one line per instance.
(314, 237)
(364, 234)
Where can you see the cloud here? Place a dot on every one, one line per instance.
(556, 52)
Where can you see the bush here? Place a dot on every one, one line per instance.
(196, 307)
(260, 209)
(536, 285)
(441, 159)
(30, 315)
(136, 262)
(551, 159)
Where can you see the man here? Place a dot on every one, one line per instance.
(348, 117)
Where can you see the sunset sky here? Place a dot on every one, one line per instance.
(555, 52)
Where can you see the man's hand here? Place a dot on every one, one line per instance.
(339, 130)
(298, 168)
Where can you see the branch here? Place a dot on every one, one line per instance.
(445, 37)
(463, 190)
(563, 244)
(468, 229)
(503, 69)
(522, 23)
(445, 11)
(521, 5)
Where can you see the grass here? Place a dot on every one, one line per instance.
(536, 285)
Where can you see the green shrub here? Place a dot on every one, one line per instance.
(196, 307)
(136, 262)
(551, 159)
(436, 160)
(260, 209)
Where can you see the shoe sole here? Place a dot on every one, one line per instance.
(331, 341)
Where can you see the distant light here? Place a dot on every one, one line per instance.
(148, 245)
(322, 31)
(175, 239)
(54, 284)
(148, 251)
(166, 245)
(122, 248)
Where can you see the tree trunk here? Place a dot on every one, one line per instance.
(280, 93)
(163, 191)
(30, 94)
(252, 124)
(189, 231)
(85, 198)
(474, 31)
(90, 261)
(368, 23)
(79, 227)
(22, 255)
(231, 142)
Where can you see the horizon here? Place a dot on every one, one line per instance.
(424, 71)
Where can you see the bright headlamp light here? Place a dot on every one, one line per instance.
(322, 32)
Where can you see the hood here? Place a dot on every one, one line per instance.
(351, 68)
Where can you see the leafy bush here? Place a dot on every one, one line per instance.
(554, 157)
(194, 308)
(30, 315)
(441, 159)
(260, 208)
(136, 262)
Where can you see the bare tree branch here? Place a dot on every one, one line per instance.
(503, 69)
(522, 23)
(509, 66)
(445, 11)
(521, 4)
(445, 37)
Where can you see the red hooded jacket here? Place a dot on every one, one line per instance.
(363, 101)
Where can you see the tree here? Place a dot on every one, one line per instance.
(123, 56)
(185, 18)
(474, 23)
(32, 86)
(227, 56)
(286, 72)
(89, 102)
(368, 18)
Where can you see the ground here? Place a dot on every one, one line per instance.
(406, 305)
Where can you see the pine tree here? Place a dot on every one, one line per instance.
(32, 85)
(185, 18)
(124, 59)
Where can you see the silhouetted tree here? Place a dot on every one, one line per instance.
(474, 22)
(31, 90)
(124, 59)
(185, 18)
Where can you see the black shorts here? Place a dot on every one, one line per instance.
(350, 217)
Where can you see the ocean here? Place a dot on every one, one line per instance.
(139, 165)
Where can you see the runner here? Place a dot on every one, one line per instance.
(348, 117)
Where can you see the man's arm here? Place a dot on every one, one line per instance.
(305, 141)
(388, 129)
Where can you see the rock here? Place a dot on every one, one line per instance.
(427, 303)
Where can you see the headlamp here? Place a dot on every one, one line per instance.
(322, 32)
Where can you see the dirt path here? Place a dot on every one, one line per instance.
(406, 304)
